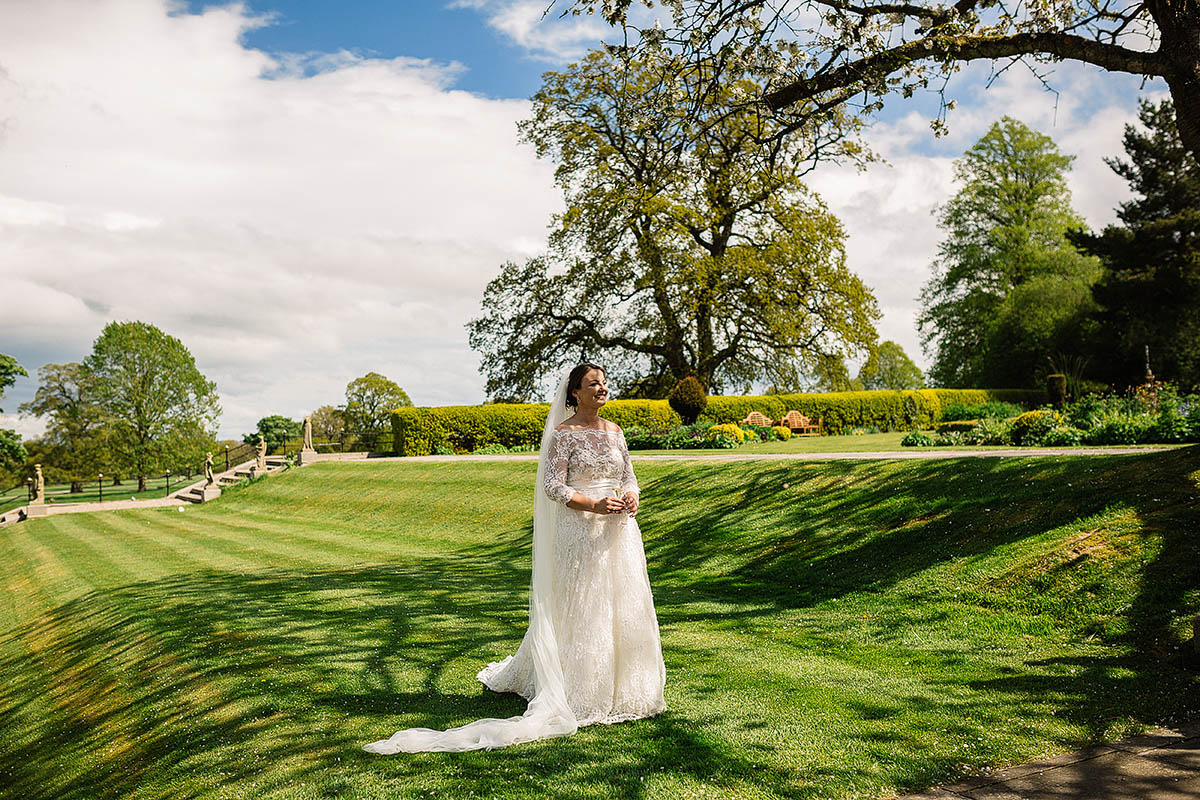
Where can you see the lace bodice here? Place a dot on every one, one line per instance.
(587, 456)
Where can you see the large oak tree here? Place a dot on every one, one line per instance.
(689, 244)
(818, 54)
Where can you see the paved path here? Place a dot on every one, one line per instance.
(1163, 764)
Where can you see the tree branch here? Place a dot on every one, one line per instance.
(969, 48)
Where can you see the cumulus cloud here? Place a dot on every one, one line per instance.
(296, 221)
(543, 30)
(889, 210)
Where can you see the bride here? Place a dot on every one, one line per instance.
(592, 652)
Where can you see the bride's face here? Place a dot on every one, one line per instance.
(593, 390)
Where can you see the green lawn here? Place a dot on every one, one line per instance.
(831, 630)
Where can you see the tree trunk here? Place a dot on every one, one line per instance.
(76, 487)
(141, 483)
(116, 480)
(1179, 23)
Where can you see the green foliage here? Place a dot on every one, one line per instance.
(1062, 436)
(12, 451)
(782, 432)
(1031, 427)
(369, 401)
(727, 431)
(275, 430)
(688, 399)
(1008, 287)
(491, 450)
(889, 367)
(328, 423)
(420, 431)
(917, 439)
(990, 432)
(689, 244)
(9, 371)
(995, 408)
(76, 444)
(158, 408)
(1149, 293)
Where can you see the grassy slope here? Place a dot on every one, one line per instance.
(830, 629)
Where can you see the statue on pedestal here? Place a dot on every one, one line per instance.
(209, 478)
(39, 486)
(308, 445)
(260, 463)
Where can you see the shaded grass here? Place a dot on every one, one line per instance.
(831, 629)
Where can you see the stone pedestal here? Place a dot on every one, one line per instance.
(37, 510)
(306, 456)
(209, 493)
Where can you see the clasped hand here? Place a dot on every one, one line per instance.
(615, 505)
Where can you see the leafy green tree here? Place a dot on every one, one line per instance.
(690, 246)
(275, 430)
(830, 374)
(1149, 293)
(328, 423)
(75, 447)
(369, 399)
(889, 367)
(156, 402)
(12, 452)
(1008, 287)
(10, 370)
(816, 55)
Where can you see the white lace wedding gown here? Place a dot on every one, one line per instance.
(603, 613)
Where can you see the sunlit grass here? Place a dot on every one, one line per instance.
(834, 630)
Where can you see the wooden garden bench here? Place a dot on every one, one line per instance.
(757, 418)
(800, 424)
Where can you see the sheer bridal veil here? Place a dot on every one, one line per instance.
(548, 713)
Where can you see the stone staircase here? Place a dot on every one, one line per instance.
(238, 474)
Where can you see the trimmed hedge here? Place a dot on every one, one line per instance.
(422, 431)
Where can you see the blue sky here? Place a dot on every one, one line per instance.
(433, 29)
(307, 191)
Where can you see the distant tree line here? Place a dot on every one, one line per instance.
(1021, 288)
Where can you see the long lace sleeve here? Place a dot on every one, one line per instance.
(628, 480)
(555, 479)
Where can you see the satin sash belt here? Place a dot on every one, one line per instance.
(597, 489)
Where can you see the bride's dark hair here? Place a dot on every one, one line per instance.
(575, 381)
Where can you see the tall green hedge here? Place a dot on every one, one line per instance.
(422, 431)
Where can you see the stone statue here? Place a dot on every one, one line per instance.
(308, 445)
(209, 478)
(39, 486)
(260, 463)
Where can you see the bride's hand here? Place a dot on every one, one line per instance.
(631, 503)
(608, 505)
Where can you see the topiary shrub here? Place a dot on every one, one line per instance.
(1031, 427)
(782, 432)
(917, 439)
(688, 399)
(728, 430)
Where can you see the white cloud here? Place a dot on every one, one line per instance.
(548, 36)
(888, 210)
(296, 223)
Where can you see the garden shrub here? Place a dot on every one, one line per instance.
(1189, 409)
(957, 426)
(728, 430)
(1122, 430)
(686, 437)
(490, 450)
(948, 438)
(991, 409)
(763, 433)
(1062, 436)
(1031, 427)
(1171, 426)
(422, 431)
(782, 432)
(917, 439)
(990, 431)
(688, 399)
